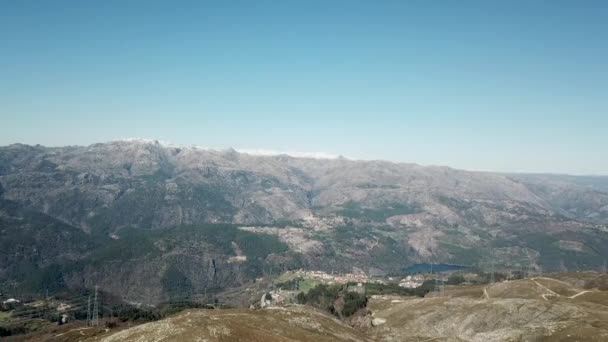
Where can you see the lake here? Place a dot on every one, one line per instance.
(426, 268)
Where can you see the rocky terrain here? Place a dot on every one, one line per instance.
(148, 222)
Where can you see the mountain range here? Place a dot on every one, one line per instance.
(148, 222)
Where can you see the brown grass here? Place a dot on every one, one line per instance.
(268, 325)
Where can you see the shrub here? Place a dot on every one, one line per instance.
(455, 279)
(323, 297)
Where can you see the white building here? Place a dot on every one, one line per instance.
(411, 282)
(11, 301)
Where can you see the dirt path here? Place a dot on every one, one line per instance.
(543, 287)
(553, 279)
(551, 292)
(544, 295)
(77, 329)
(580, 293)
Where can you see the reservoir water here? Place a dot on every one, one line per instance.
(426, 268)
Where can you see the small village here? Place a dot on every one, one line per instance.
(344, 278)
(410, 281)
(287, 286)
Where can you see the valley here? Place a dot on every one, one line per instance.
(158, 229)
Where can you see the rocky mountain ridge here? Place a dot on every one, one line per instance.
(331, 214)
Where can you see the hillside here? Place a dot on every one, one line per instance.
(296, 323)
(543, 308)
(536, 309)
(149, 222)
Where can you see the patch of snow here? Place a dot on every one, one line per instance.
(250, 151)
(313, 155)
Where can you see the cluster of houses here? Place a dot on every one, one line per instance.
(411, 282)
(338, 278)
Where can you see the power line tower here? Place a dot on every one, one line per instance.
(271, 281)
(89, 311)
(96, 309)
(436, 290)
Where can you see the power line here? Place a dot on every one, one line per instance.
(33, 312)
(43, 311)
(26, 311)
(40, 315)
(18, 322)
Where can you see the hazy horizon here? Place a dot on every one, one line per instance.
(305, 154)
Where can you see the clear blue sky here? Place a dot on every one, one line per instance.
(484, 85)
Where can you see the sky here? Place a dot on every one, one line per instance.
(512, 86)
